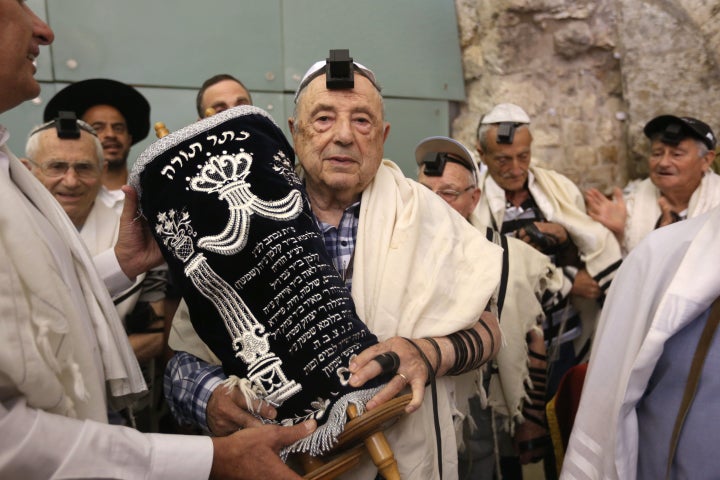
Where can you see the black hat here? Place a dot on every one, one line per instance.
(675, 129)
(80, 96)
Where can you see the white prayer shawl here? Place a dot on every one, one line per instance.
(530, 275)
(416, 259)
(641, 200)
(664, 284)
(99, 233)
(184, 338)
(420, 270)
(561, 202)
(43, 323)
(112, 199)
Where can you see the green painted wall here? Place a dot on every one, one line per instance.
(168, 47)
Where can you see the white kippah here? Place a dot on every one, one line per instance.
(506, 112)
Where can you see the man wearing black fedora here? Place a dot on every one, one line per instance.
(121, 117)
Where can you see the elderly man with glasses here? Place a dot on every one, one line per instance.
(120, 115)
(66, 156)
(70, 168)
(515, 381)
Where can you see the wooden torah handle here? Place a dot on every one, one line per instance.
(161, 130)
(379, 450)
(209, 112)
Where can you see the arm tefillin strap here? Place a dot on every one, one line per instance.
(536, 395)
(431, 373)
(437, 351)
(487, 329)
(434, 396)
(469, 350)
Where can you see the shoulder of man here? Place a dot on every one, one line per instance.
(112, 198)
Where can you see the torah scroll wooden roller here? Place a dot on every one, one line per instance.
(365, 429)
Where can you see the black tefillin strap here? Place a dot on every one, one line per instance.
(67, 126)
(434, 164)
(434, 396)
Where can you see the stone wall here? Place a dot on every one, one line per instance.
(590, 73)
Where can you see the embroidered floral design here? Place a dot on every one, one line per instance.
(176, 232)
(284, 166)
(319, 407)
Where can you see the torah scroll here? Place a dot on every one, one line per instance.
(236, 230)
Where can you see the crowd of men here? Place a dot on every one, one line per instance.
(483, 281)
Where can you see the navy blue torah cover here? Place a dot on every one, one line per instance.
(234, 224)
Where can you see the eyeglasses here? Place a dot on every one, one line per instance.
(450, 195)
(54, 169)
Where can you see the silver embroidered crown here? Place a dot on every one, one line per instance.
(222, 173)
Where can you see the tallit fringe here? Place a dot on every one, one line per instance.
(515, 417)
(458, 421)
(43, 344)
(131, 417)
(69, 365)
(78, 382)
(326, 436)
(245, 387)
(68, 407)
(461, 404)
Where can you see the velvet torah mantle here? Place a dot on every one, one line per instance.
(235, 227)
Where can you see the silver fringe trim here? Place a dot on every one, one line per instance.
(326, 436)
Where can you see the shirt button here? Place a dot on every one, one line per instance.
(343, 243)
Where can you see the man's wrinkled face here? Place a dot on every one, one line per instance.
(508, 164)
(678, 167)
(339, 136)
(112, 131)
(223, 95)
(77, 188)
(21, 34)
(456, 186)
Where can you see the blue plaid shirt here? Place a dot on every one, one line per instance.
(340, 241)
(188, 381)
